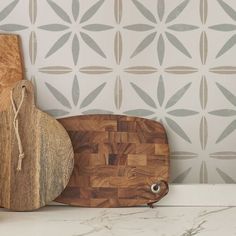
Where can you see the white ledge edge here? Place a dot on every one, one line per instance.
(200, 195)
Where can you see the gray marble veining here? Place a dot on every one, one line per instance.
(160, 221)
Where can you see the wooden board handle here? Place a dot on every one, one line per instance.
(29, 92)
(11, 63)
(11, 66)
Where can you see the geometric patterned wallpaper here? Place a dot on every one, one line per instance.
(168, 60)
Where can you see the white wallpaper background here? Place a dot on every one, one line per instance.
(168, 60)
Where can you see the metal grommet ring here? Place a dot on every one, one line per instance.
(156, 188)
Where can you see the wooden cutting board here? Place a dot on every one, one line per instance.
(11, 66)
(48, 154)
(119, 161)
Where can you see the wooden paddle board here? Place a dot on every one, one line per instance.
(35, 179)
(119, 161)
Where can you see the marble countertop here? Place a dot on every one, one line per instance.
(143, 221)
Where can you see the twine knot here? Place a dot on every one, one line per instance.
(19, 165)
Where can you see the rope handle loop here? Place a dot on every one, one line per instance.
(16, 126)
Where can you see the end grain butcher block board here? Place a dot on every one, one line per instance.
(118, 160)
(48, 159)
(11, 66)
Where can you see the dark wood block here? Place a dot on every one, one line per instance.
(117, 160)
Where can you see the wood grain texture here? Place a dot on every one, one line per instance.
(117, 159)
(49, 157)
(11, 66)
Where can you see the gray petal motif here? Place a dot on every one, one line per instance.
(118, 93)
(92, 44)
(118, 10)
(139, 27)
(203, 173)
(161, 9)
(203, 93)
(59, 96)
(75, 9)
(223, 27)
(33, 47)
(54, 27)
(223, 155)
(59, 11)
(75, 49)
(161, 91)
(228, 9)
(182, 27)
(118, 47)
(55, 70)
(58, 44)
(227, 46)
(97, 111)
(228, 95)
(177, 129)
(177, 96)
(92, 96)
(8, 9)
(139, 112)
(224, 70)
(57, 112)
(91, 11)
(181, 177)
(227, 179)
(161, 49)
(203, 10)
(97, 27)
(94, 70)
(33, 9)
(182, 155)
(144, 96)
(141, 70)
(75, 91)
(203, 133)
(12, 27)
(177, 44)
(144, 44)
(177, 11)
(144, 11)
(181, 70)
(223, 112)
(182, 112)
(227, 131)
